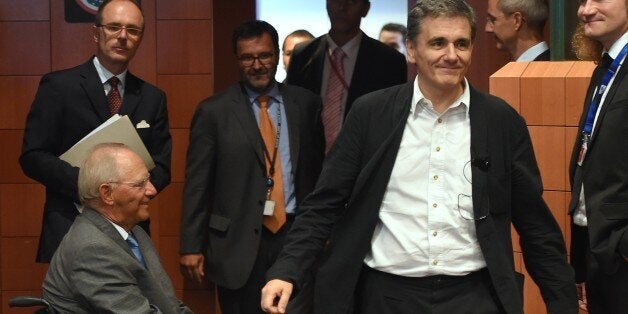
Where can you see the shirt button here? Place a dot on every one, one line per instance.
(435, 177)
(435, 262)
(434, 205)
(438, 149)
(440, 120)
(435, 233)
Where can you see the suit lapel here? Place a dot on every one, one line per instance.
(94, 90)
(107, 228)
(314, 66)
(132, 94)
(293, 112)
(479, 153)
(359, 70)
(243, 112)
(609, 100)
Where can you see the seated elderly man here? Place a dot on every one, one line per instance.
(106, 263)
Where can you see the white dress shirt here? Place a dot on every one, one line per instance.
(426, 224)
(533, 52)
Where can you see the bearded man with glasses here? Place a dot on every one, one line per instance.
(71, 103)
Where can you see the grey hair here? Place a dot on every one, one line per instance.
(535, 12)
(100, 166)
(439, 8)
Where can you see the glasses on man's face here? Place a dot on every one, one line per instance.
(264, 58)
(135, 185)
(114, 30)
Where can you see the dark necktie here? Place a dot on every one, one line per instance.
(113, 98)
(332, 103)
(135, 248)
(269, 135)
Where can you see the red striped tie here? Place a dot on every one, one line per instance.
(332, 104)
(113, 98)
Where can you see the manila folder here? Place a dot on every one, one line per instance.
(118, 129)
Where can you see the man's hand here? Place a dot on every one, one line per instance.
(582, 295)
(275, 296)
(192, 266)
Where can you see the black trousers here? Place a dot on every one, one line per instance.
(606, 294)
(384, 293)
(246, 300)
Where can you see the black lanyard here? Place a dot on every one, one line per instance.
(272, 160)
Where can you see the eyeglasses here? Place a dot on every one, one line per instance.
(264, 58)
(136, 185)
(465, 202)
(113, 30)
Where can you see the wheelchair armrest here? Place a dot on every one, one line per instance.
(27, 301)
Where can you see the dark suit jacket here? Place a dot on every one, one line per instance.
(377, 66)
(224, 191)
(344, 206)
(68, 105)
(95, 271)
(545, 56)
(605, 178)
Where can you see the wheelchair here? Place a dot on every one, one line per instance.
(44, 307)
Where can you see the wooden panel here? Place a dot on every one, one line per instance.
(11, 143)
(543, 93)
(18, 267)
(567, 223)
(18, 93)
(184, 93)
(184, 47)
(24, 48)
(515, 239)
(556, 202)
(506, 83)
(576, 84)
(170, 209)
(144, 64)
(72, 43)
(533, 302)
(184, 9)
(169, 251)
(549, 148)
(201, 301)
(20, 10)
(180, 140)
(21, 208)
(570, 139)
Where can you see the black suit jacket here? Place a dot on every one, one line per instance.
(68, 105)
(344, 206)
(377, 66)
(604, 175)
(224, 191)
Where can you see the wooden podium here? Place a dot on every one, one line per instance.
(549, 96)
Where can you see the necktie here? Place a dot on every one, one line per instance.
(269, 135)
(332, 104)
(113, 98)
(135, 248)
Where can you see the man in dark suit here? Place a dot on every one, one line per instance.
(255, 151)
(517, 26)
(71, 103)
(344, 64)
(413, 208)
(105, 263)
(599, 199)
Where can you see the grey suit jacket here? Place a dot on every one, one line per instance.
(94, 271)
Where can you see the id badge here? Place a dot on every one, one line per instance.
(269, 207)
(583, 150)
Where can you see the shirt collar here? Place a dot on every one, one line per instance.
(419, 100)
(533, 52)
(121, 230)
(105, 74)
(349, 48)
(273, 93)
(618, 46)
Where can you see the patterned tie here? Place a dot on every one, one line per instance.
(135, 248)
(332, 104)
(113, 98)
(269, 135)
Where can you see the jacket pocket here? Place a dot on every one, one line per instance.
(219, 223)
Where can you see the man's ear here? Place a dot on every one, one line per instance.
(519, 20)
(96, 33)
(105, 191)
(410, 51)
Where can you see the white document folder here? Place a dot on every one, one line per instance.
(118, 129)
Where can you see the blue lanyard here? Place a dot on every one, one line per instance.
(595, 102)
